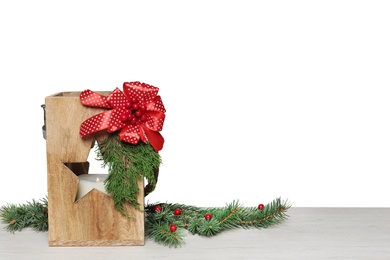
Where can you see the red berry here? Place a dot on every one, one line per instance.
(133, 121)
(135, 106)
(172, 227)
(260, 207)
(124, 117)
(208, 217)
(177, 211)
(138, 113)
(143, 118)
(157, 208)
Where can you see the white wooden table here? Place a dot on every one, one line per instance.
(308, 233)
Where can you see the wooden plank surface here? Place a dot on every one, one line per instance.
(309, 233)
(91, 220)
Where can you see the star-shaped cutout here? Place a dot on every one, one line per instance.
(87, 182)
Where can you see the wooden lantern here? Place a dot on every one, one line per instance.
(91, 220)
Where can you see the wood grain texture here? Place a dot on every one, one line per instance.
(91, 220)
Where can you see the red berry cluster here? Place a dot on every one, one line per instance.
(173, 227)
(134, 113)
(177, 212)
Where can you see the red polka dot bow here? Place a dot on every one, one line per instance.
(137, 111)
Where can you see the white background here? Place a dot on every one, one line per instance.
(264, 99)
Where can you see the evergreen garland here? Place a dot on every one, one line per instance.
(127, 164)
(160, 218)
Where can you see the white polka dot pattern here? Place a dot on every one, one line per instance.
(142, 92)
(118, 99)
(92, 99)
(99, 122)
(138, 113)
(156, 105)
(130, 134)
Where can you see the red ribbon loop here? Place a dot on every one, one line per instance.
(138, 112)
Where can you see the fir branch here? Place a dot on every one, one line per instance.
(127, 164)
(231, 216)
(31, 214)
(272, 214)
(160, 233)
(228, 217)
(209, 228)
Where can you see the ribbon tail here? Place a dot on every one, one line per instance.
(155, 139)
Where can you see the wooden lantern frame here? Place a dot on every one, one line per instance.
(92, 220)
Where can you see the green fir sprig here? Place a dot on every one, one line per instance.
(127, 164)
(30, 214)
